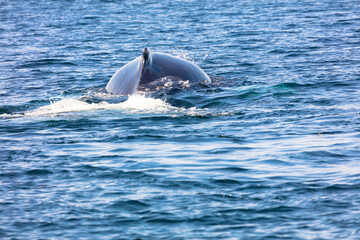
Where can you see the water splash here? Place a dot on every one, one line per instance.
(181, 53)
(133, 103)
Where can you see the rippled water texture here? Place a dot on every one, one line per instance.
(269, 151)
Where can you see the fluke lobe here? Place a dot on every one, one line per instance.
(150, 67)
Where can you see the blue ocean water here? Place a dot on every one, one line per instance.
(269, 151)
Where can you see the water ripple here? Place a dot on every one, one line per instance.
(268, 150)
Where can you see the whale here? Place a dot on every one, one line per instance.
(151, 67)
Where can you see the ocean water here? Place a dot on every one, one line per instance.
(270, 150)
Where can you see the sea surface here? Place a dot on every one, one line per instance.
(269, 150)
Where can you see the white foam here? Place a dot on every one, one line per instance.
(134, 103)
(140, 102)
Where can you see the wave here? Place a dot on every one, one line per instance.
(134, 103)
(171, 100)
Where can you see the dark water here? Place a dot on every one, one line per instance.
(270, 151)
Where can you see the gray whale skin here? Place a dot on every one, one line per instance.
(151, 66)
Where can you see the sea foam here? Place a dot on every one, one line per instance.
(133, 103)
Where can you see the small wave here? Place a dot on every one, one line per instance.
(288, 85)
(134, 102)
(7, 115)
(45, 62)
(139, 103)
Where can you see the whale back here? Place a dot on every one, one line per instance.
(150, 67)
(161, 65)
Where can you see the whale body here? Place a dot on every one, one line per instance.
(152, 66)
